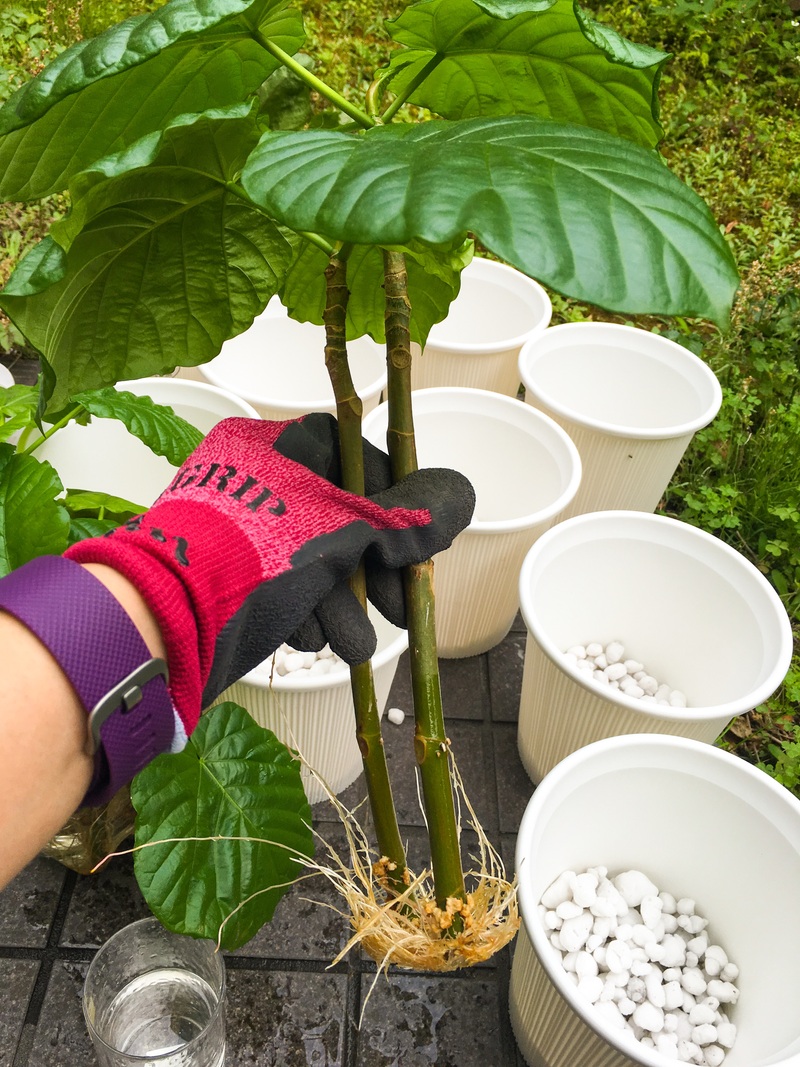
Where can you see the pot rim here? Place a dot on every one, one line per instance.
(727, 709)
(463, 400)
(478, 266)
(702, 376)
(685, 749)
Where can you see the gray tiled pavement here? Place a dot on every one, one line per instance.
(285, 1007)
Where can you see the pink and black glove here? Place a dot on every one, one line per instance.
(252, 543)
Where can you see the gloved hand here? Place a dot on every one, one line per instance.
(252, 542)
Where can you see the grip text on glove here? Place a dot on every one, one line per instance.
(220, 475)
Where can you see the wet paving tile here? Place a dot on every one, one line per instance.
(61, 1038)
(285, 1020)
(419, 1020)
(28, 904)
(102, 903)
(16, 981)
(307, 924)
(514, 787)
(506, 663)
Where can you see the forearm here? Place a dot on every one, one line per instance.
(43, 732)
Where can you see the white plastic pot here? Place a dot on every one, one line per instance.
(314, 713)
(478, 344)
(696, 613)
(6, 377)
(524, 470)
(278, 366)
(104, 457)
(630, 400)
(700, 823)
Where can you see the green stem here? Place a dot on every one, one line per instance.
(49, 433)
(315, 83)
(415, 82)
(430, 740)
(368, 723)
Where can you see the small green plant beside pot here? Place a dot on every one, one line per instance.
(541, 147)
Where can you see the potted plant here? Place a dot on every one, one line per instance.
(192, 214)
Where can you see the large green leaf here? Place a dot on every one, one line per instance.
(103, 94)
(554, 64)
(590, 215)
(79, 501)
(17, 409)
(164, 432)
(434, 278)
(158, 263)
(233, 780)
(32, 522)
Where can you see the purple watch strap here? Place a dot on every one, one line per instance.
(97, 646)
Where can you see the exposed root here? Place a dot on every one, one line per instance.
(409, 929)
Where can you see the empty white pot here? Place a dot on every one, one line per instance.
(314, 713)
(696, 613)
(477, 345)
(699, 823)
(524, 470)
(103, 457)
(629, 399)
(278, 366)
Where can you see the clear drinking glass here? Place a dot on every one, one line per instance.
(154, 997)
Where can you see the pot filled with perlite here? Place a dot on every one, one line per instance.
(306, 700)
(660, 921)
(639, 623)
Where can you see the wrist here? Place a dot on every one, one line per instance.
(134, 604)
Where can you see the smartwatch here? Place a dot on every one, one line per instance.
(123, 688)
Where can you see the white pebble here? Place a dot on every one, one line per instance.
(559, 890)
(615, 650)
(689, 1052)
(574, 932)
(729, 973)
(584, 889)
(686, 906)
(590, 987)
(673, 995)
(633, 886)
(677, 699)
(701, 1013)
(395, 715)
(611, 1013)
(585, 665)
(725, 992)
(649, 1017)
(693, 982)
(726, 1034)
(594, 648)
(294, 662)
(632, 666)
(601, 661)
(667, 1045)
(713, 1055)
(552, 921)
(568, 909)
(615, 671)
(704, 1034)
(578, 651)
(651, 907)
(715, 960)
(631, 689)
(585, 965)
(618, 957)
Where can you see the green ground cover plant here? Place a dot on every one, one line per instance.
(729, 104)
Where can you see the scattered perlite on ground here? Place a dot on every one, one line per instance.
(607, 665)
(300, 665)
(645, 961)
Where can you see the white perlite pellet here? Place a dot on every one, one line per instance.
(607, 666)
(304, 665)
(666, 984)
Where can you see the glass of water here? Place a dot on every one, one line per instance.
(154, 997)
